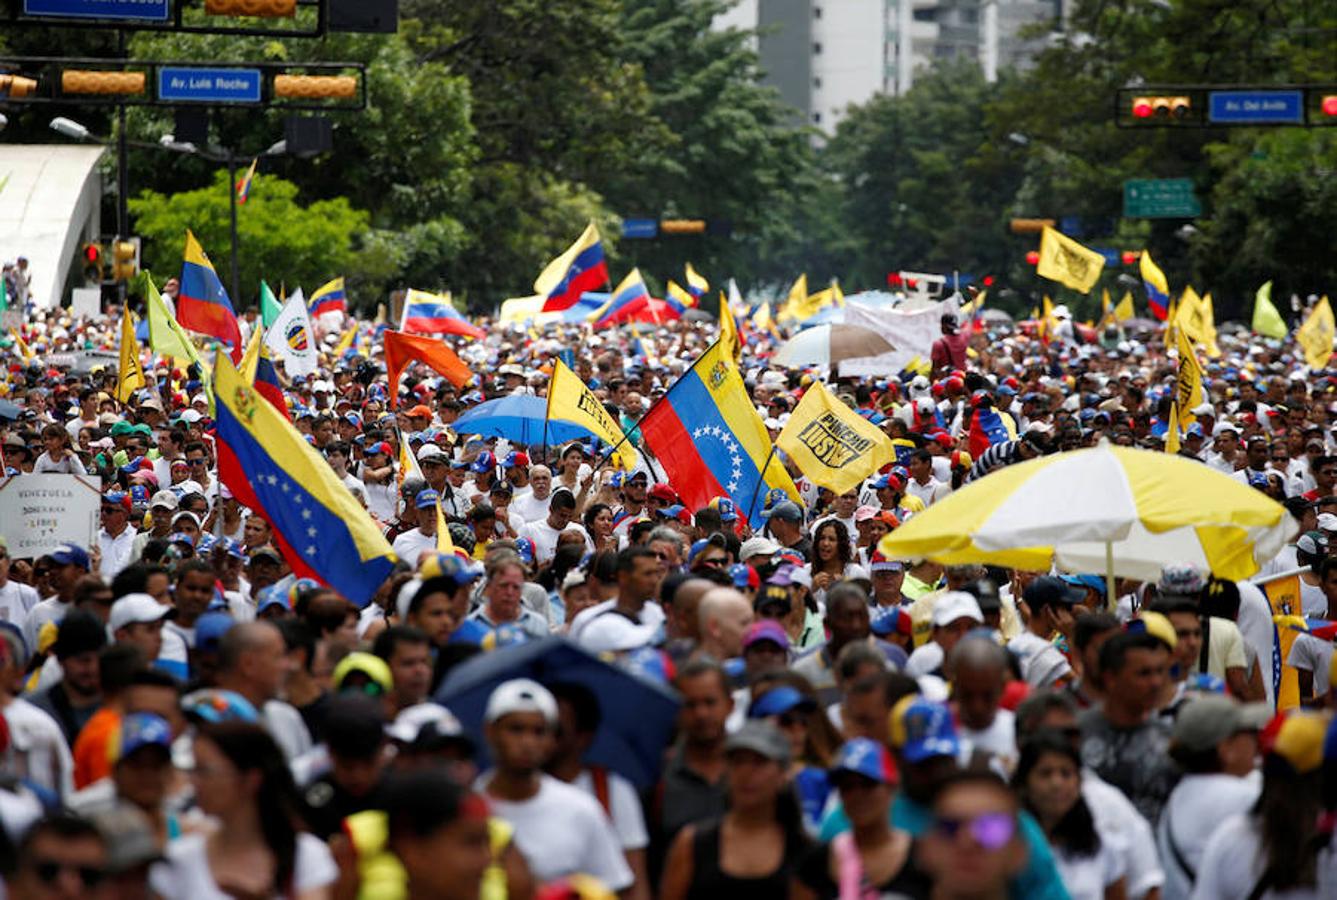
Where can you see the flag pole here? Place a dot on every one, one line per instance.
(760, 481)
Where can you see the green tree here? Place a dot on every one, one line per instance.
(278, 237)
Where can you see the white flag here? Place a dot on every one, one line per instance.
(291, 338)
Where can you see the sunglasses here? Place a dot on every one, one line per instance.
(991, 831)
(48, 870)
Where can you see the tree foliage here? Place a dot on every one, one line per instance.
(277, 236)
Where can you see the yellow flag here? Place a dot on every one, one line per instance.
(250, 360)
(1172, 432)
(797, 300)
(763, 320)
(166, 336)
(1315, 335)
(1266, 320)
(443, 542)
(1045, 322)
(728, 328)
(1069, 263)
(1124, 311)
(22, 346)
(1190, 316)
(347, 340)
(1188, 385)
(831, 443)
(1209, 327)
(130, 374)
(1106, 304)
(569, 400)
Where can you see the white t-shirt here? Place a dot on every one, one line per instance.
(382, 499)
(1255, 625)
(412, 544)
(1117, 819)
(544, 537)
(115, 551)
(562, 830)
(1194, 803)
(16, 600)
(1313, 600)
(355, 486)
(49, 610)
(185, 871)
(1086, 877)
(1233, 863)
(927, 659)
(37, 749)
(999, 739)
(1313, 655)
(927, 492)
(624, 808)
(652, 614)
(286, 726)
(530, 508)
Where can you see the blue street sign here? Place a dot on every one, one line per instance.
(128, 10)
(1256, 107)
(1112, 257)
(209, 85)
(644, 229)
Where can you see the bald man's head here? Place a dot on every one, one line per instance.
(724, 616)
(252, 661)
(687, 607)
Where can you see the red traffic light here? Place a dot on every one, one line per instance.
(893, 279)
(1330, 106)
(1129, 257)
(92, 253)
(1033, 258)
(988, 281)
(1142, 108)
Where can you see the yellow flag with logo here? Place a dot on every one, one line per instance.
(1069, 263)
(1315, 335)
(1188, 386)
(130, 374)
(569, 400)
(832, 444)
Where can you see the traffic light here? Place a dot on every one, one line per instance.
(1161, 107)
(260, 9)
(17, 86)
(682, 226)
(1029, 226)
(1329, 106)
(1128, 257)
(95, 262)
(125, 259)
(311, 87)
(83, 81)
(1033, 257)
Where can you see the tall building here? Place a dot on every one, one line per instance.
(825, 55)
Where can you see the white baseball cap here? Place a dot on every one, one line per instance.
(955, 605)
(1327, 522)
(521, 695)
(429, 451)
(135, 609)
(164, 499)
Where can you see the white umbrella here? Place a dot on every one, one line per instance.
(828, 344)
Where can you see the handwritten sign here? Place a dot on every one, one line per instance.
(40, 512)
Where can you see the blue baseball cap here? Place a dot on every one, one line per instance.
(779, 700)
(142, 729)
(210, 628)
(426, 499)
(270, 597)
(891, 620)
(923, 729)
(866, 757)
(485, 462)
(744, 576)
(725, 507)
(180, 537)
(786, 509)
(70, 555)
(451, 566)
(525, 547)
(215, 705)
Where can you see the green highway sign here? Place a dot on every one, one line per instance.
(1160, 198)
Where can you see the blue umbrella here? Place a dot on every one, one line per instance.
(518, 418)
(636, 715)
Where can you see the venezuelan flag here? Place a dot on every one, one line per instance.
(989, 427)
(580, 268)
(244, 183)
(1158, 289)
(321, 530)
(426, 313)
(329, 298)
(629, 296)
(696, 283)
(202, 304)
(678, 300)
(710, 440)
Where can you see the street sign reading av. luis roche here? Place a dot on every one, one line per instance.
(125, 10)
(201, 85)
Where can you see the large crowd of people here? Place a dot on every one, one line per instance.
(183, 717)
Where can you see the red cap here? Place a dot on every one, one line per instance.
(663, 492)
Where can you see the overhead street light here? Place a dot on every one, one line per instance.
(70, 129)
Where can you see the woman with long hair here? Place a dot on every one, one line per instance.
(598, 520)
(873, 858)
(1048, 781)
(786, 700)
(750, 851)
(1278, 848)
(258, 847)
(831, 556)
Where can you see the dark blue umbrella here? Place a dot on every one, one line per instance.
(636, 715)
(518, 418)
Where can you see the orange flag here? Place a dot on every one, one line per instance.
(402, 349)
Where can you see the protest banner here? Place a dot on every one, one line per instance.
(40, 512)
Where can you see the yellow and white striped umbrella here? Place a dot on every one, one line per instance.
(1104, 509)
